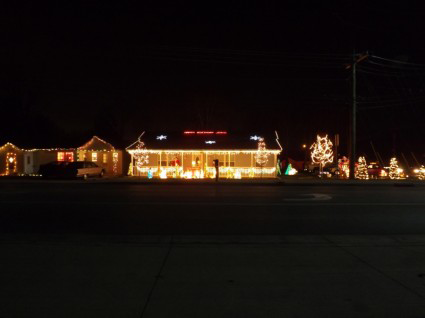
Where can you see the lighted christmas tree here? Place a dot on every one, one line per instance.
(262, 155)
(140, 154)
(361, 172)
(394, 169)
(321, 151)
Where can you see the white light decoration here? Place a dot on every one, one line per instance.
(210, 142)
(361, 171)
(395, 171)
(255, 137)
(161, 137)
(321, 151)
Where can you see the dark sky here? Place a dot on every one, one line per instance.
(117, 68)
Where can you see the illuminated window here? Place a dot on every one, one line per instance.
(94, 156)
(105, 158)
(61, 156)
(69, 156)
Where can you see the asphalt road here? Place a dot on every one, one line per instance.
(192, 209)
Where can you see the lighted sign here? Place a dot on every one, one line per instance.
(161, 137)
(204, 132)
(255, 138)
(210, 142)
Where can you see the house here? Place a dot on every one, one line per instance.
(103, 154)
(11, 160)
(34, 158)
(96, 150)
(191, 154)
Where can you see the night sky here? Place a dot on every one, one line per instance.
(114, 69)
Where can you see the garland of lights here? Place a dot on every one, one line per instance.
(115, 162)
(321, 151)
(361, 172)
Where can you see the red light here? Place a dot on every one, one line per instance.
(204, 132)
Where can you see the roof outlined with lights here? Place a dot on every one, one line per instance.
(207, 140)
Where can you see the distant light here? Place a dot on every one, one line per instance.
(255, 138)
(304, 145)
(161, 137)
(210, 142)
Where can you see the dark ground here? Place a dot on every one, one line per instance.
(108, 249)
(96, 207)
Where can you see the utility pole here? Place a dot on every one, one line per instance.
(353, 113)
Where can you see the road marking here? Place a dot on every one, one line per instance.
(310, 197)
(257, 204)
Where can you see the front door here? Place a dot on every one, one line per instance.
(10, 163)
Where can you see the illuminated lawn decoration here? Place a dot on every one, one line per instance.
(163, 174)
(321, 151)
(344, 167)
(421, 173)
(361, 172)
(290, 171)
(395, 171)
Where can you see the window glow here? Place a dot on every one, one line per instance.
(61, 156)
(94, 156)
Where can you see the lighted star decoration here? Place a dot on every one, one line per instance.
(161, 137)
(255, 137)
(321, 151)
(210, 142)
